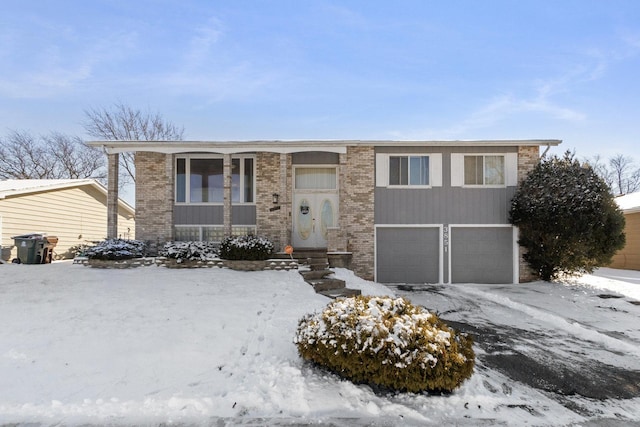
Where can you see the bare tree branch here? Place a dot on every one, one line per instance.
(620, 172)
(123, 123)
(52, 156)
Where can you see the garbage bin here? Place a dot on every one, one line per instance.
(5, 253)
(50, 243)
(34, 248)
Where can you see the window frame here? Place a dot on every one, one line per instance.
(187, 184)
(200, 230)
(297, 189)
(384, 170)
(484, 176)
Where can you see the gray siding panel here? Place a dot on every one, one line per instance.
(482, 255)
(446, 204)
(315, 158)
(443, 205)
(407, 255)
(213, 215)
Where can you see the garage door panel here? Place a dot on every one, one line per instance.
(407, 255)
(482, 255)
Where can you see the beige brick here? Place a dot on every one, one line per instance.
(357, 172)
(528, 158)
(154, 197)
(273, 175)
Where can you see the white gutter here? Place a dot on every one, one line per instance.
(277, 146)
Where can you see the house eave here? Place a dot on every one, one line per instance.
(294, 146)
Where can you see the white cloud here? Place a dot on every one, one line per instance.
(200, 46)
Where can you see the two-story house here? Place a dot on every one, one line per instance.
(406, 211)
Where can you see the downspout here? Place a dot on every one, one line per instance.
(545, 151)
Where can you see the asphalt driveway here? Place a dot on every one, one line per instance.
(577, 345)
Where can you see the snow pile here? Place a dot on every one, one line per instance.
(191, 251)
(387, 342)
(156, 346)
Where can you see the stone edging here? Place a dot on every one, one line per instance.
(241, 265)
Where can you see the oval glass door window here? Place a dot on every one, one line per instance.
(326, 217)
(304, 219)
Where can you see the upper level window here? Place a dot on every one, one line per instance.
(200, 179)
(408, 170)
(484, 170)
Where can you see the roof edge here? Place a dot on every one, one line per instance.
(288, 146)
(71, 183)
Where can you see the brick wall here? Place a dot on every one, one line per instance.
(154, 196)
(357, 174)
(273, 224)
(528, 157)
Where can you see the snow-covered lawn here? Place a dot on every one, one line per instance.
(153, 345)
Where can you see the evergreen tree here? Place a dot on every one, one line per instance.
(568, 219)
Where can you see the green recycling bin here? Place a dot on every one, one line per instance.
(34, 248)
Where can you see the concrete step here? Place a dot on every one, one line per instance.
(320, 285)
(340, 293)
(316, 274)
(302, 254)
(316, 264)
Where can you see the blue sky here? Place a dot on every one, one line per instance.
(331, 69)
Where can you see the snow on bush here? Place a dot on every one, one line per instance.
(386, 342)
(248, 247)
(191, 251)
(117, 249)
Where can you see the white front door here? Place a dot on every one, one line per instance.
(315, 205)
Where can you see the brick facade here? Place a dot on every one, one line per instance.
(273, 175)
(528, 157)
(113, 161)
(354, 231)
(357, 178)
(154, 197)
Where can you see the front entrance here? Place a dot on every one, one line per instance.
(315, 205)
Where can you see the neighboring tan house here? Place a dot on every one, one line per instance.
(406, 211)
(74, 210)
(629, 257)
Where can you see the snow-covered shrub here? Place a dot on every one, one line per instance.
(192, 251)
(248, 247)
(116, 249)
(567, 218)
(386, 342)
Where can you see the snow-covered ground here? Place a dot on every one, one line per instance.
(152, 345)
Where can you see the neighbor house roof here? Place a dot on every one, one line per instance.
(629, 203)
(16, 187)
(291, 146)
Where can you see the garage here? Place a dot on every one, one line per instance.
(408, 255)
(482, 254)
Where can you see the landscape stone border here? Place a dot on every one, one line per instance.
(241, 265)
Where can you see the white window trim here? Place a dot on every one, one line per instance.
(510, 170)
(435, 170)
(188, 157)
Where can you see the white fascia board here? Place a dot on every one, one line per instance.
(220, 147)
(333, 146)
